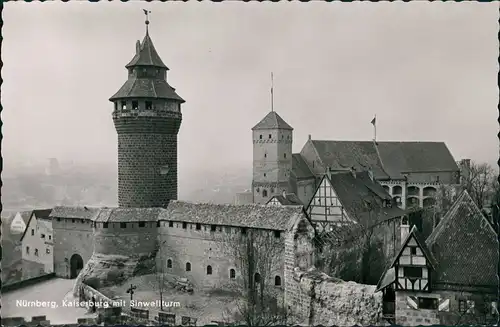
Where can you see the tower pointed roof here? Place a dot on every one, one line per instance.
(272, 121)
(146, 54)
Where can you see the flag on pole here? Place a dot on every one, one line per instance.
(374, 120)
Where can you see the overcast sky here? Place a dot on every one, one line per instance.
(428, 70)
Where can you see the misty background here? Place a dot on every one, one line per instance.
(427, 70)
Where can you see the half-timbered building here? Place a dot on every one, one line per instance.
(451, 277)
(286, 199)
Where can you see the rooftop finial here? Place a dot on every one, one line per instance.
(272, 95)
(146, 12)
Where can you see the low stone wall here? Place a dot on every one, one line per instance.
(317, 299)
(27, 282)
(86, 292)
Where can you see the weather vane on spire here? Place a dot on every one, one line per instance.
(146, 12)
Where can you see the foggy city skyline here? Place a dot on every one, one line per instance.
(427, 70)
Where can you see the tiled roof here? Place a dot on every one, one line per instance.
(387, 279)
(42, 213)
(128, 214)
(272, 121)
(386, 159)
(146, 88)
(465, 246)
(74, 212)
(408, 157)
(147, 55)
(300, 168)
(362, 198)
(248, 215)
(287, 199)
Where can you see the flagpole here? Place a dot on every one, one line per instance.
(272, 95)
(375, 128)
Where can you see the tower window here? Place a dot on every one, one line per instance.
(277, 281)
(104, 225)
(209, 270)
(272, 190)
(284, 155)
(27, 250)
(232, 274)
(124, 105)
(213, 228)
(33, 231)
(265, 155)
(135, 105)
(198, 226)
(169, 263)
(260, 137)
(243, 230)
(142, 224)
(36, 252)
(277, 233)
(256, 278)
(264, 174)
(184, 225)
(188, 266)
(264, 193)
(149, 105)
(170, 224)
(270, 135)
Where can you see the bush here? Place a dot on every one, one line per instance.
(116, 276)
(93, 282)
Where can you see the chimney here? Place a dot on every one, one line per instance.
(309, 137)
(137, 47)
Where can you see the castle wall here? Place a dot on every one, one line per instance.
(202, 248)
(408, 316)
(71, 236)
(131, 240)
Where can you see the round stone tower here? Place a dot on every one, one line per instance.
(147, 117)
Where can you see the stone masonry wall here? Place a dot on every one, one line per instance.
(71, 236)
(145, 145)
(407, 316)
(202, 248)
(131, 240)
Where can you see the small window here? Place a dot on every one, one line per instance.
(169, 263)
(170, 224)
(47, 251)
(277, 234)
(427, 303)
(188, 266)
(73, 221)
(27, 250)
(135, 105)
(149, 105)
(413, 250)
(142, 224)
(265, 155)
(413, 272)
(277, 281)
(58, 219)
(198, 226)
(36, 252)
(264, 192)
(124, 105)
(465, 306)
(213, 228)
(257, 278)
(184, 225)
(209, 270)
(232, 274)
(42, 235)
(272, 190)
(260, 137)
(105, 225)
(158, 224)
(50, 237)
(313, 163)
(123, 225)
(270, 135)
(243, 230)
(284, 155)
(32, 232)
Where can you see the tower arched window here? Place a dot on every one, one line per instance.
(264, 193)
(188, 266)
(169, 263)
(270, 136)
(277, 281)
(209, 270)
(232, 274)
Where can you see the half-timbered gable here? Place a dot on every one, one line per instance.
(413, 265)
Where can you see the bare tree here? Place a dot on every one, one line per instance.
(480, 182)
(258, 255)
(160, 272)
